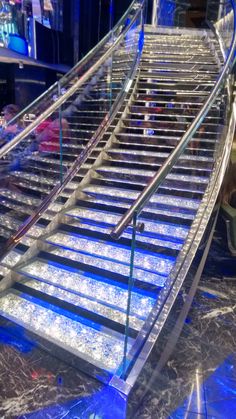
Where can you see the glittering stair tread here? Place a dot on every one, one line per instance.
(118, 177)
(157, 198)
(11, 258)
(112, 219)
(94, 346)
(102, 297)
(28, 200)
(100, 263)
(14, 224)
(84, 303)
(108, 203)
(17, 196)
(45, 158)
(154, 154)
(45, 189)
(4, 271)
(150, 173)
(24, 209)
(154, 165)
(141, 238)
(37, 178)
(134, 137)
(48, 160)
(112, 253)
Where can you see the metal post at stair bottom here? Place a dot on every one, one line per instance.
(155, 9)
(130, 287)
(60, 135)
(110, 71)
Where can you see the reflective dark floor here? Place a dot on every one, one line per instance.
(198, 381)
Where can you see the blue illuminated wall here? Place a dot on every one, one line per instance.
(167, 13)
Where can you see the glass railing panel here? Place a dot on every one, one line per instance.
(160, 231)
(221, 15)
(43, 157)
(165, 221)
(29, 172)
(213, 10)
(78, 119)
(172, 12)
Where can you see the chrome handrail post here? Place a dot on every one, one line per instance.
(155, 12)
(60, 134)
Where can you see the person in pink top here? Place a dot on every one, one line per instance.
(48, 134)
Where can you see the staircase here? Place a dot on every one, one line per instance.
(73, 292)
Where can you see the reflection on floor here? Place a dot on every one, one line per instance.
(199, 380)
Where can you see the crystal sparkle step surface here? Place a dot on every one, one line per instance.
(44, 180)
(112, 219)
(108, 202)
(11, 258)
(157, 198)
(151, 173)
(30, 201)
(98, 291)
(90, 305)
(143, 260)
(165, 243)
(95, 346)
(156, 154)
(107, 265)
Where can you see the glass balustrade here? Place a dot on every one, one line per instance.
(68, 132)
(172, 200)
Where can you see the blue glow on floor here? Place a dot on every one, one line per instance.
(105, 404)
(208, 295)
(216, 396)
(14, 336)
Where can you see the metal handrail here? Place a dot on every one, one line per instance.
(31, 127)
(155, 182)
(58, 188)
(75, 69)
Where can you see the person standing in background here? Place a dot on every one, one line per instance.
(9, 130)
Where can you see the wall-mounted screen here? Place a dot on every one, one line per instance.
(16, 20)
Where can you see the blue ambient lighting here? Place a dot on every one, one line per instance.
(107, 403)
(141, 41)
(18, 44)
(167, 15)
(215, 397)
(14, 336)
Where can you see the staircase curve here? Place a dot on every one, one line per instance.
(101, 223)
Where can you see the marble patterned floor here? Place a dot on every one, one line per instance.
(198, 382)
